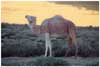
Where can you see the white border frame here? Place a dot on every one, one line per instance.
(48, 0)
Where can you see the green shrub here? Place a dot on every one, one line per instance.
(17, 40)
(94, 63)
(16, 62)
(50, 61)
(36, 61)
(22, 47)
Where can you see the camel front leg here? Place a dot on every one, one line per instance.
(50, 47)
(46, 49)
(48, 44)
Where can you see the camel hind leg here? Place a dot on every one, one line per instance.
(72, 41)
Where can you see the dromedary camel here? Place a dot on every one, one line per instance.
(56, 25)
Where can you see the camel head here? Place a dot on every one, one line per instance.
(32, 21)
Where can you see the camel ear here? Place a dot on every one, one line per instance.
(26, 16)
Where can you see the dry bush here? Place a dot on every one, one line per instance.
(17, 40)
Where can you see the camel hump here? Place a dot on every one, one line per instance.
(56, 24)
(54, 19)
(57, 20)
(57, 16)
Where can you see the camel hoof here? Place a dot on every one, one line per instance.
(65, 55)
(74, 57)
(45, 55)
(50, 56)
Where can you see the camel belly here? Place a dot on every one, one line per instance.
(58, 29)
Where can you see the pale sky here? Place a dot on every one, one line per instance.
(14, 12)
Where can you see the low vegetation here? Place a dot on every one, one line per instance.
(18, 40)
(49, 61)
